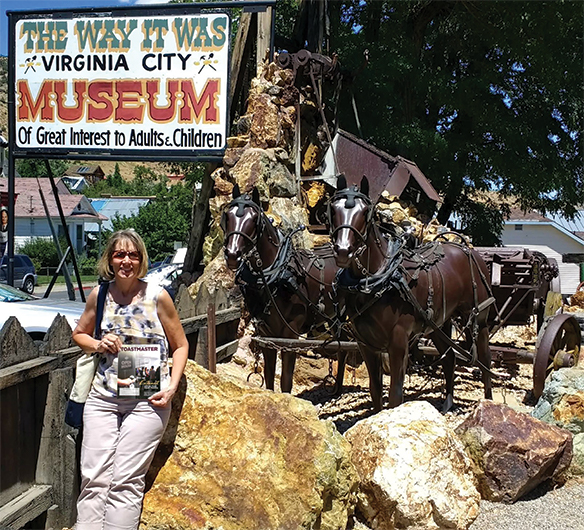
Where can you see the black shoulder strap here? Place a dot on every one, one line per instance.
(103, 287)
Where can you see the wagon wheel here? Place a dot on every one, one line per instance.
(558, 345)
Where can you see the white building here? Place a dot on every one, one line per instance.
(31, 219)
(553, 238)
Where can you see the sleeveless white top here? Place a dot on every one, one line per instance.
(135, 323)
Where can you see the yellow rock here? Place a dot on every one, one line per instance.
(242, 458)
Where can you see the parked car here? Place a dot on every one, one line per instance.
(36, 314)
(167, 260)
(25, 276)
(165, 277)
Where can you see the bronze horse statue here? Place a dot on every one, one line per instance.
(395, 295)
(288, 291)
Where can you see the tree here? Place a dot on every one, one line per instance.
(35, 167)
(481, 95)
(163, 221)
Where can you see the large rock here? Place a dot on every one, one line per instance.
(512, 451)
(414, 471)
(264, 169)
(248, 459)
(216, 278)
(577, 465)
(265, 129)
(562, 400)
(562, 404)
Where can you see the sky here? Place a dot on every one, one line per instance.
(43, 5)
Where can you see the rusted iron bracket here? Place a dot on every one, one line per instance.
(320, 66)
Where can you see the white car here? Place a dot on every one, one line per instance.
(36, 314)
(164, 276)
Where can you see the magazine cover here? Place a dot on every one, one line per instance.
(138, 370)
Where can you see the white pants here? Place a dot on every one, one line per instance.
(120, 437)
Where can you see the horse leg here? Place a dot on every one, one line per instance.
(448, 364)
(373, 362)
(270, 355)
(484, 356)
(341, 363)
(398, 358)
(288, 362)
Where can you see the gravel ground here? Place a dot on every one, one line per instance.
(548, 507)
(545, 508)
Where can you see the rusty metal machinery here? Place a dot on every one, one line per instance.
(558, 346)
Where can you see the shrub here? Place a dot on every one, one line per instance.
(41, 251)
(87, 266)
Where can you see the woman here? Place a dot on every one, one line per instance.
(121, 434)
(3, 229)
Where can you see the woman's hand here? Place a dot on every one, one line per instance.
(109, 343)
(163, 398)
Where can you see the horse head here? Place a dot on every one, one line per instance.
(242, 223)
(350, 213)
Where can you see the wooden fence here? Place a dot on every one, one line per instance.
(38, 452)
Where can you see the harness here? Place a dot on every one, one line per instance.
(284, 274)
(403, 266)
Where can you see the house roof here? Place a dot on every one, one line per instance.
(30, 205)
(84, 170)
(517, 214)
(112, 206)
(575, 225)
(74, 183)
(571, 227)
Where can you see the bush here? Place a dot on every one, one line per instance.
(42, 252)
(87, 266)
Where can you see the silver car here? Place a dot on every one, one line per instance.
(36, 314)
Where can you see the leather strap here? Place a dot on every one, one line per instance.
(103, 287)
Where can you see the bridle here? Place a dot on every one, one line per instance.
(242, 202)
(350, 195)
(265, 279)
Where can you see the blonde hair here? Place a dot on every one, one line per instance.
(124, 238)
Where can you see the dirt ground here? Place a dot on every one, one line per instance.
(512, 385)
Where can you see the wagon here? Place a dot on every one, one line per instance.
(525, 284)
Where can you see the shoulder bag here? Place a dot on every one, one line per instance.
(85, 370)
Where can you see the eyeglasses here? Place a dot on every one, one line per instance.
(122, 254)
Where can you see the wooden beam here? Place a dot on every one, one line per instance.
(264, 34)
(200, 227)
(17, 373)
(192, 324)
(26, 507)
(239, 59)
(334, 346)
(227, 350)
(211, 338)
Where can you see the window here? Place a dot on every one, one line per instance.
(26, 261)
(518, 227)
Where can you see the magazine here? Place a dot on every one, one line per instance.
(138, 370)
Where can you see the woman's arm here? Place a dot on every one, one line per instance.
(83, 332)
(179, 347)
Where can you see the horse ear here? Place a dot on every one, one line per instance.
(341, 182)
(365, 186)
(255, 196)
(236, 192)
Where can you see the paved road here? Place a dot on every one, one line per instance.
(59, 291)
